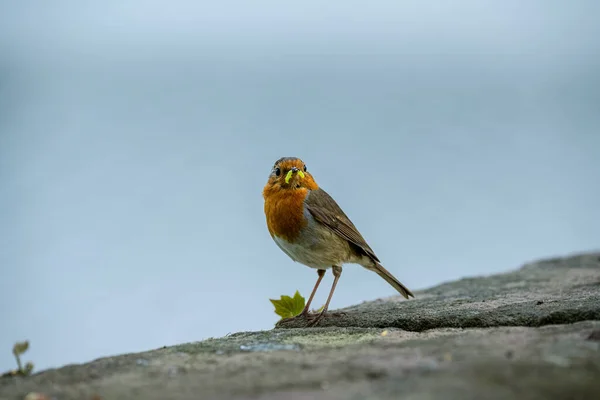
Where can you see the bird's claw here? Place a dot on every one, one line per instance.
(303, 315)
(314, 319)
(289, 319)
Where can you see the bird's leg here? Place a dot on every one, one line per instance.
(337, 272)
(306, 310)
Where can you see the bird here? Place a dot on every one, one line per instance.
(310, 227)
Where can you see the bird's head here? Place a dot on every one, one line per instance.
(290, 173)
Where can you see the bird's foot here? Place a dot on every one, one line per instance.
(314, 318)
(289, 319)
(302, 316)
(311, 318)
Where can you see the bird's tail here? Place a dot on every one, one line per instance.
(391, 279)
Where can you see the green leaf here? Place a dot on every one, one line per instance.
(28, 368)
(288, 307)
(20, 347)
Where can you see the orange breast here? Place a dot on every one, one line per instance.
(284, 210)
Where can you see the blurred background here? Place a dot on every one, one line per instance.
(462, 138)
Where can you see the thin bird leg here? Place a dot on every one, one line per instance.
(337, 272)
(321, 273)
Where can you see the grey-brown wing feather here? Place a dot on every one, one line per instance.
(325, 210)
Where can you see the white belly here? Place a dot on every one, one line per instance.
(318, 247)
(300, 253)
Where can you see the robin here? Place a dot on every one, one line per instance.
(311, 228)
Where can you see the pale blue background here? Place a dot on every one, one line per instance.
(461, 137)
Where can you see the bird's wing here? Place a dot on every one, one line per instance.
(326, 211)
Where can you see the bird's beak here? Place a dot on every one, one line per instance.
(288, 176)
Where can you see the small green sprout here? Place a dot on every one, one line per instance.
(18, 349)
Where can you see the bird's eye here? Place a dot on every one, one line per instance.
(304, 168)
(277, 171)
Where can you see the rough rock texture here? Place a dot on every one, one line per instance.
(529, 334)
(557, 291)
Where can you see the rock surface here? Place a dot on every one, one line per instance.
(529, 334)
